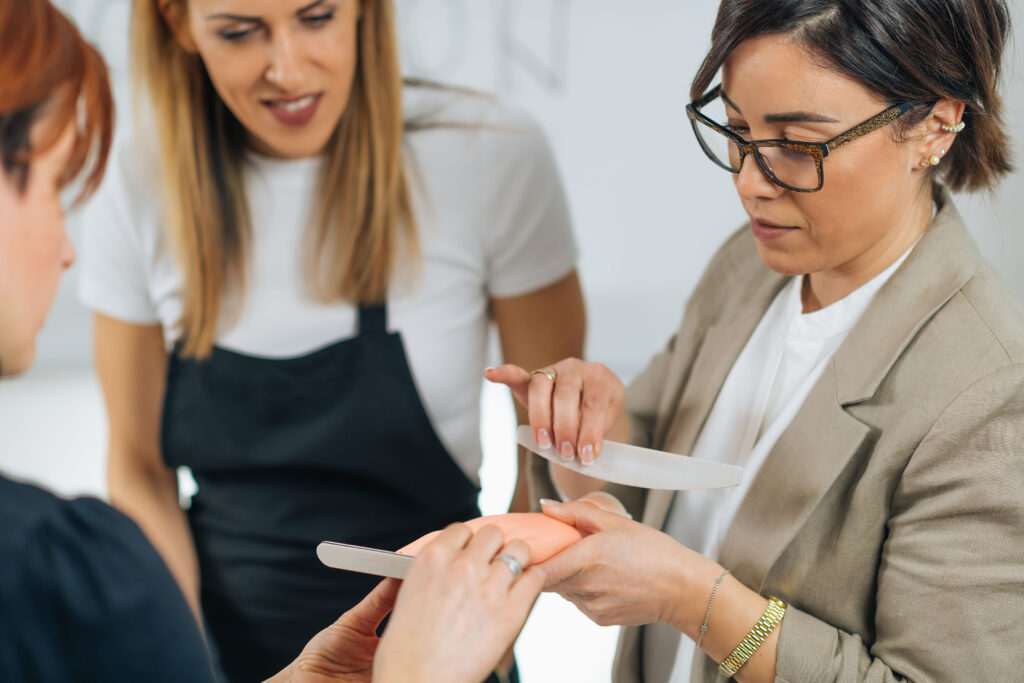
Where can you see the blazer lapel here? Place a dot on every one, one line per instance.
(824, 437)
(808, 457)
(719, 349)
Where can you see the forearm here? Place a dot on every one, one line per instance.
(734, 611)
(521, 495)
(150, 497)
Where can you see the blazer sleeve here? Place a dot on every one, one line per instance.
(950, 597)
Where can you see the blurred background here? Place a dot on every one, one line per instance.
(608, 81)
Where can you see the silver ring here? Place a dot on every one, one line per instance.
(550, 373)
(514, 565)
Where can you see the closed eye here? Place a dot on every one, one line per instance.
(318, 20)
(236, 33)
(742, 131)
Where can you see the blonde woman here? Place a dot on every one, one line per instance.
(293, 270)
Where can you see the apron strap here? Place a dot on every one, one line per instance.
(373, 319)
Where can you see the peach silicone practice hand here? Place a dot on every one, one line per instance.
(546, 536)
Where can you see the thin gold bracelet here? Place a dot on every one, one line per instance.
(771, 618)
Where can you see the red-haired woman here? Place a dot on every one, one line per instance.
(83, 596)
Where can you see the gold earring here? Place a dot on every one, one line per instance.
(935, 160)
(925, 163)
(954, 127)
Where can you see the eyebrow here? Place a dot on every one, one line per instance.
(798, 117)
(239, 17)
(786, 117)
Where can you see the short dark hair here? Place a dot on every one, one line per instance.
(902, 50)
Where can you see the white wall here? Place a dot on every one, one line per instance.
(609, 80)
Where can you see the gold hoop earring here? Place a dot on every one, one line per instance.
(954, 127)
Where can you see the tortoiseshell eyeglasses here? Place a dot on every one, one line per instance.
(793, 165)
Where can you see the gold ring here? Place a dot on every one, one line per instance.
(550, 373)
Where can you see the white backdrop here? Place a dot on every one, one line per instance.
(608, 79)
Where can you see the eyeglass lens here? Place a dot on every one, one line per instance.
(791, 167)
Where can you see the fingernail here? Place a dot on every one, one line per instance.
(488, 369)
(587, 454)
(543, 439)
(567, 451)
(547, 502)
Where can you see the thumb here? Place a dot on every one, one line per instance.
(514, 377)
(583, 515)
(370, 612)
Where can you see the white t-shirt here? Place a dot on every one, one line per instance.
(765, 389)
(492, 222)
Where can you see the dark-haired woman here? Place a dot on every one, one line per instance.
(849, 348)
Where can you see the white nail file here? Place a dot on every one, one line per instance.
(356, 558)
(621, 463)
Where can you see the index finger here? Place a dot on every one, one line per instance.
(450, 541)
(565, 565)
(514, 377)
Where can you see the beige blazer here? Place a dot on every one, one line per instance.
(890, 514)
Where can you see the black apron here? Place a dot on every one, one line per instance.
(334, 445)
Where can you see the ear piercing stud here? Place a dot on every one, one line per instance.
(933, 160)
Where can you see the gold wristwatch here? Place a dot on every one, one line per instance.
(762, 629)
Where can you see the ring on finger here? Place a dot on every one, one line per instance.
(513, 564)
(550, 373)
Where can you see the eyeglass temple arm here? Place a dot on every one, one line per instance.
(711, 94)
(871, 125)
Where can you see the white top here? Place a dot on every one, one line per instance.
(763, 392)
(492, 219)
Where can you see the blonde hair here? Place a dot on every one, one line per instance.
(365, 217)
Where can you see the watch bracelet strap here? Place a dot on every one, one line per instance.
(768, 622)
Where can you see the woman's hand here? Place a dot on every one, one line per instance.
(459, 610)
(624, 573)
(575, 411)
(344, 651)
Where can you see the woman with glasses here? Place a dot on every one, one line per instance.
(850, 349)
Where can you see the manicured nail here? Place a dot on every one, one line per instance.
(543, 439)
(587, 454)
(567, 451)
(547, 502)
(490, 368)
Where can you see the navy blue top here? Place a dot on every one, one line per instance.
(85, 597)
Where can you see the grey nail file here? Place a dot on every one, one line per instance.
(355, 558)
(621, 463)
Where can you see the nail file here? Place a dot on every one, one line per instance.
(355, 558)
(621, 463)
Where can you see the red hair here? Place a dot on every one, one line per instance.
(49, 74)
